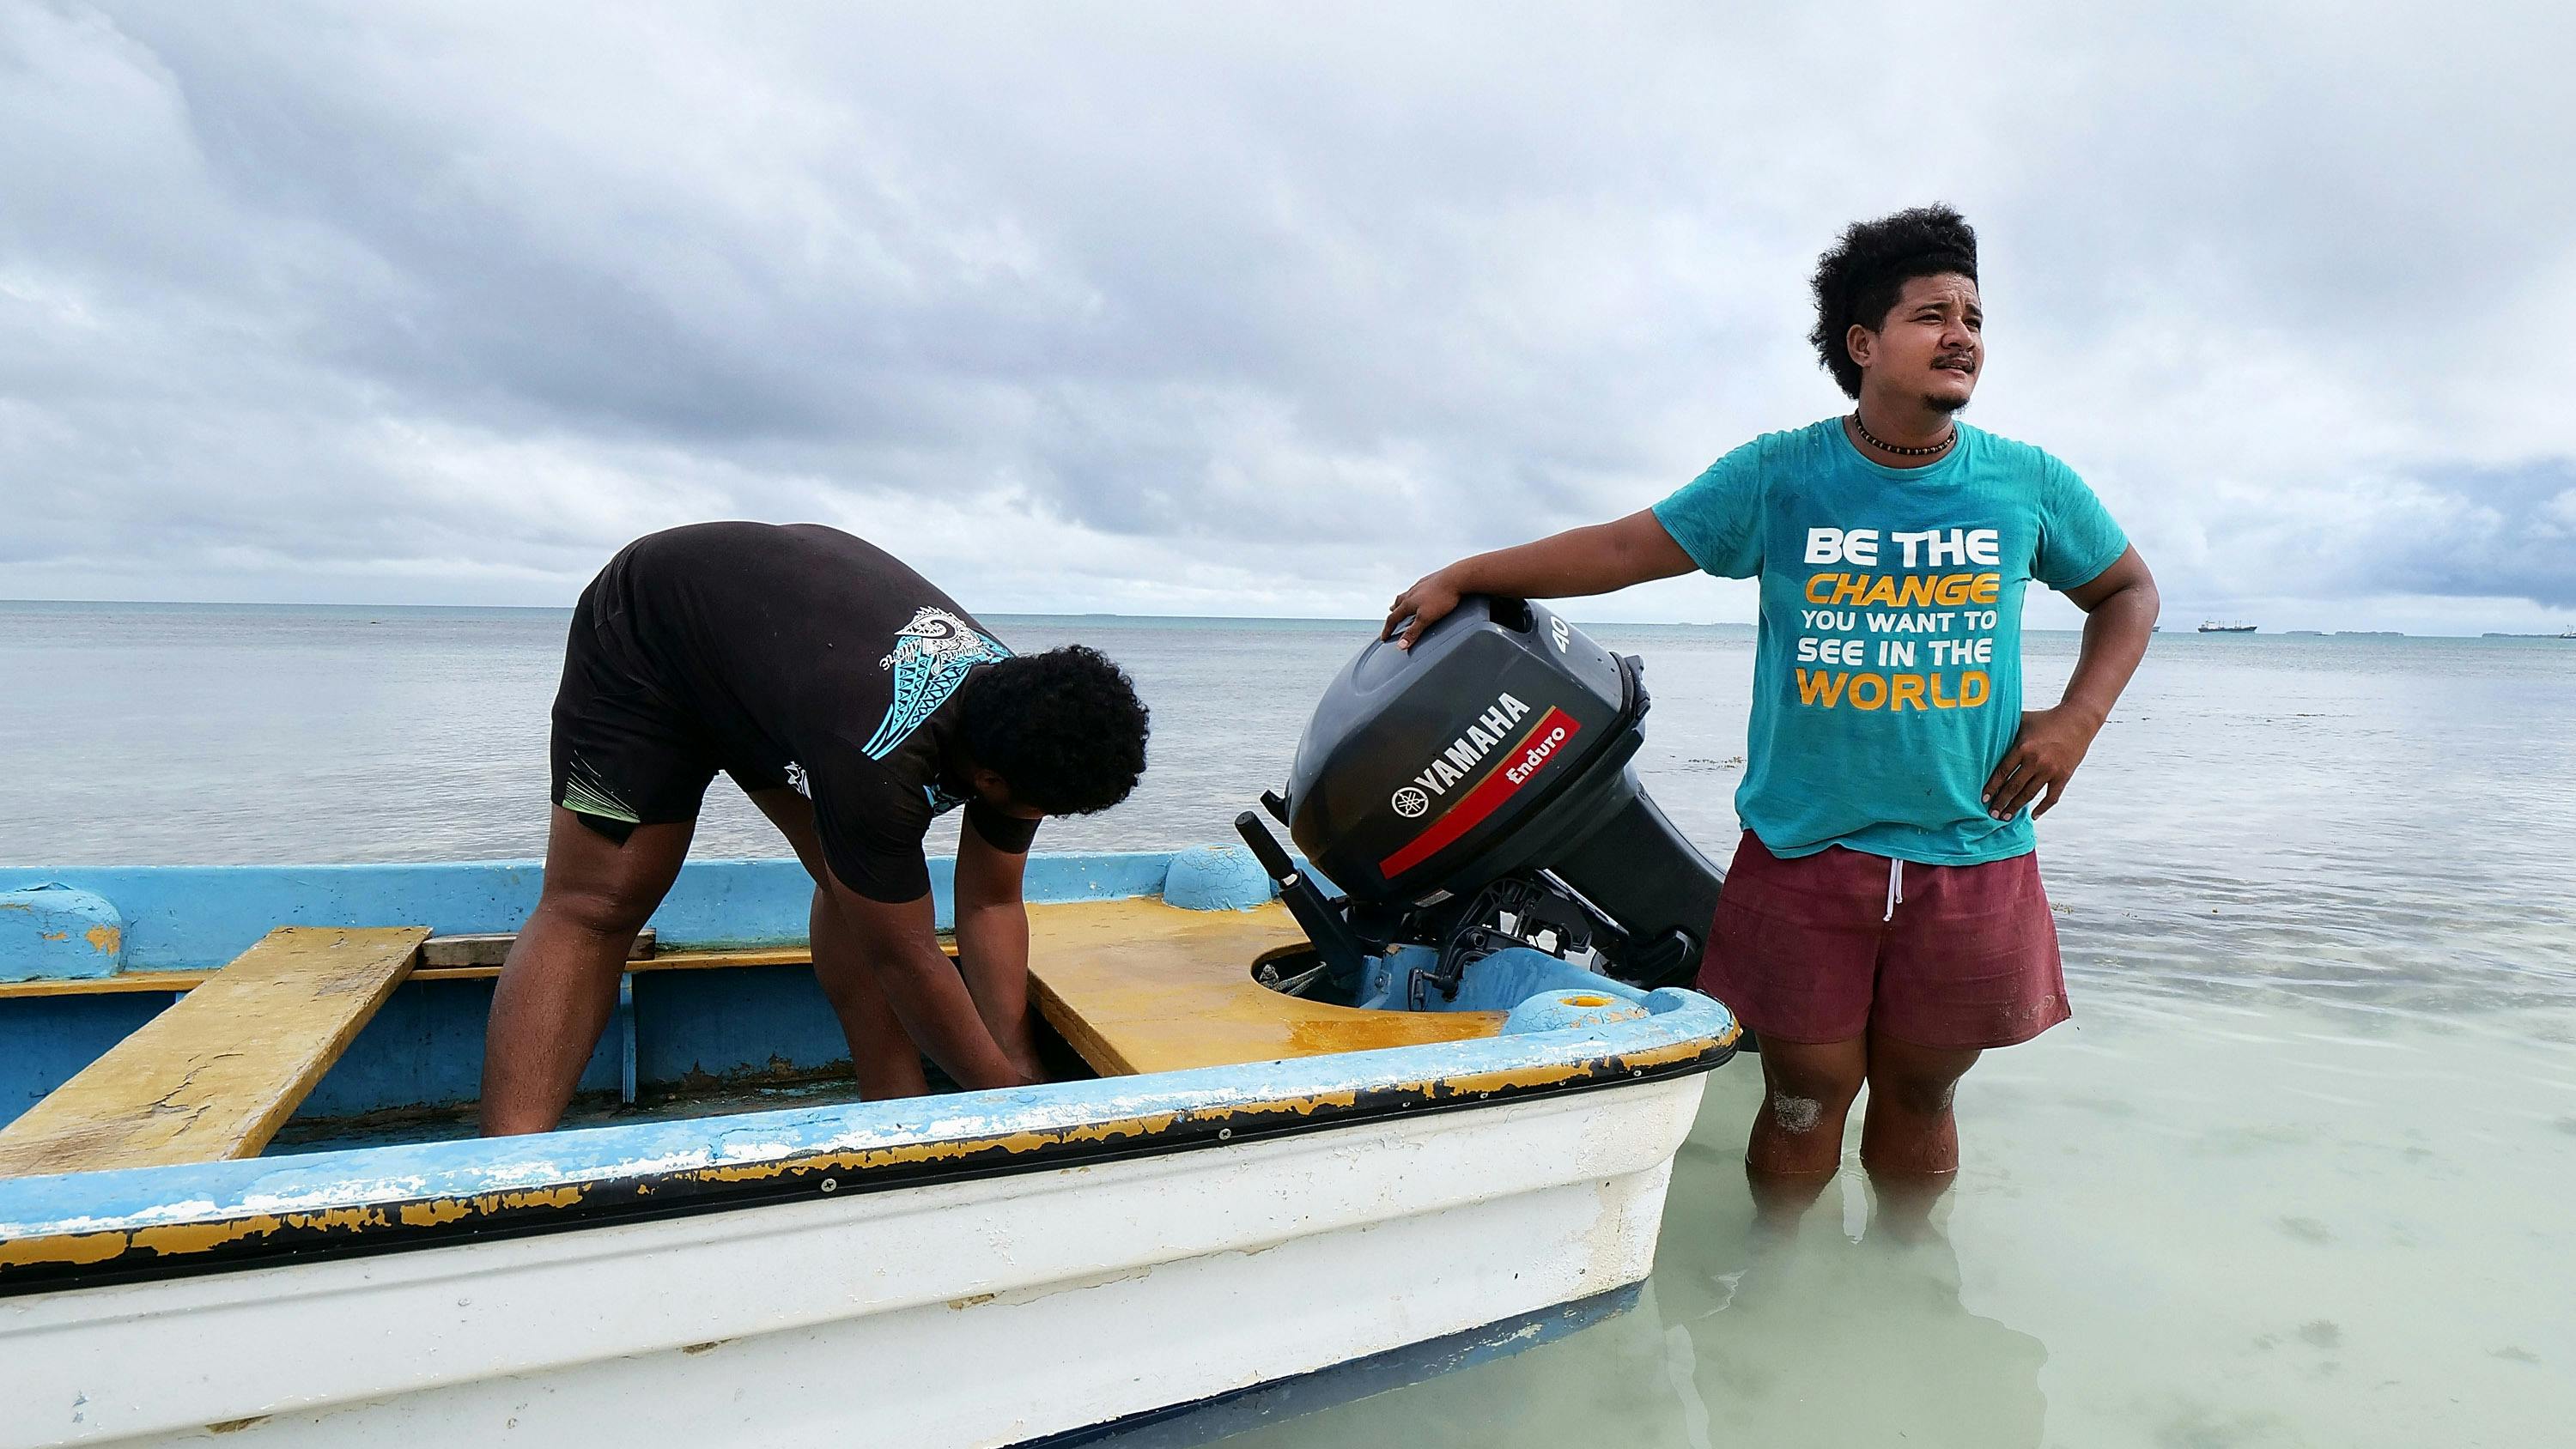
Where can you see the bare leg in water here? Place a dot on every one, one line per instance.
(1909, 1139)
(1797, 1141)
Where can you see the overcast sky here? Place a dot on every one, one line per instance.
(1228, 309)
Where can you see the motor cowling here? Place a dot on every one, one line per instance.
(1498, 749)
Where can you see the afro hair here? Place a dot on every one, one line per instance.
(1859, 280)
(1064, 729)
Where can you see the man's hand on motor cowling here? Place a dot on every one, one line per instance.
(2044, 754)
(1430, 600)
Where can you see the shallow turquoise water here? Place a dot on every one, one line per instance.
(2256, 1226)
(2296, 1173)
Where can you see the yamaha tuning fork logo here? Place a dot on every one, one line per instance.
(1410, 802)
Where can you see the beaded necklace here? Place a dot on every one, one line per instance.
(1929, 450)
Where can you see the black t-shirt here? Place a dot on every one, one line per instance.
(818, 660)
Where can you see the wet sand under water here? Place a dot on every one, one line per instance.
(2250, 1226)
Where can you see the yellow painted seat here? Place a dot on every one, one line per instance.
(1139, 986)
(215, 1076)
(1133, 985)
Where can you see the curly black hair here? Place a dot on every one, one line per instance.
(1859, 280)
(1064, 729)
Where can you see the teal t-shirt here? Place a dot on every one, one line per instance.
(1887, 672)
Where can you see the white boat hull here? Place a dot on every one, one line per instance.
(982, 1312)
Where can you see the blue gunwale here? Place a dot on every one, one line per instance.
(190, 917)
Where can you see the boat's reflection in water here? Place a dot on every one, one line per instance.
(1290, 1399)
(1847, 1330)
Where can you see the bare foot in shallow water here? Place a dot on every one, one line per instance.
(1905, 1203)
(1781, 1201)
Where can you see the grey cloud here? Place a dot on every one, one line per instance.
(2503, 533)
(1252, 307)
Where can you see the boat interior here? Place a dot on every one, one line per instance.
(320, 1037)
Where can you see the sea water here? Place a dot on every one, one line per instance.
(2299, 1172)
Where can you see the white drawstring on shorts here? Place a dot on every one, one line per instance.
(1895, 887)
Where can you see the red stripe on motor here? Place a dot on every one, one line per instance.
(1554, 729)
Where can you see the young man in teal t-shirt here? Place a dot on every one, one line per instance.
(1883, 922)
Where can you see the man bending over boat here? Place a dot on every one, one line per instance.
(1884, 921)
(854, 703)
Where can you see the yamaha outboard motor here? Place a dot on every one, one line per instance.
(1477, 792)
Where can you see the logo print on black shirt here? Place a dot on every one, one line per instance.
(931, 657)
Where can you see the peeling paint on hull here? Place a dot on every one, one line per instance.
(1354, 1240)
(392, 1213)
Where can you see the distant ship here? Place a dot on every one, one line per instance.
(2213, 626)
(2568, 633)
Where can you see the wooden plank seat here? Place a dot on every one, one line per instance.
(1133, 985)
(1139, 986)
(216, 1074)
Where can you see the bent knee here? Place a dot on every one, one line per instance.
(1799, 1102)
(601, 913)
(1921, 1096)
(1798, 1115)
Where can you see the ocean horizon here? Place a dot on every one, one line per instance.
(1571, 608)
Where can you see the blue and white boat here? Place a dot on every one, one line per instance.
(239, 1196)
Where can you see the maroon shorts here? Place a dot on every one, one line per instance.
(1828, 946)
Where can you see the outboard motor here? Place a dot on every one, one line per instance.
(1477, 792)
